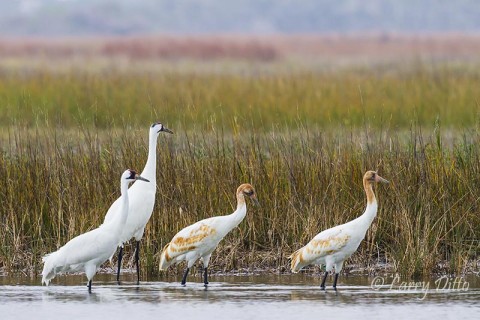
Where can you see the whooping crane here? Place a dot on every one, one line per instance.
(201, 238)
(332, 246)
(88, 251)
(142, 200)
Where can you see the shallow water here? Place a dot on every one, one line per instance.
(240, 297)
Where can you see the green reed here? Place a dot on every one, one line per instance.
(383, 97)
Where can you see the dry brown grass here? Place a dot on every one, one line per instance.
(57, 184)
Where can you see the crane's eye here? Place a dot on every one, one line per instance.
(248, 193)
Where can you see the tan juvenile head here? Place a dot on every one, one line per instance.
(369, 179)
(372, 176)
(246, 190)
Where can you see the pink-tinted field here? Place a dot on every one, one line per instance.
(261, 48)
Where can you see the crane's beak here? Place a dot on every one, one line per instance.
(138, 177)
(255, 200)
(166, 130)
(380, 179)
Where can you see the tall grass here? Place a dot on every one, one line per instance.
(58, 183)
(303, 139)
(390, 97)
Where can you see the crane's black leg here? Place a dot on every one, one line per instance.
(184, 279)
(137, 258)
(120, 256)
(89, 286)
(205, 274)
(322, 286)
(335, 281)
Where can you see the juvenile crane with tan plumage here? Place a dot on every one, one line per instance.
(333, 246)
(200, 239)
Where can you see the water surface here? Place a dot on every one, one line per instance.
(240, 297)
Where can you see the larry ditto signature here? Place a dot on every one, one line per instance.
(443, 284)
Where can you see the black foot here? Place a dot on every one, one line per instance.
(89, 286)
(137, 258)
(322, 286)
(184, 279)
(120, 256)
(205, 275)
(335, 281)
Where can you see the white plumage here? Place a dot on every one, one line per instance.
(333, 246)
(201, 238)
(142, 200)
(88, 251)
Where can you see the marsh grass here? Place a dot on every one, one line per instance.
(58, 183)
(388, 97)
(303, 139)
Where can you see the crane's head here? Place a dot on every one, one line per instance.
(130, 176)
(157, 127)
(248, 191)
(372, 177)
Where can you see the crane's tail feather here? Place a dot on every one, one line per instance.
(49, 268)
(165, 259)
(297, 262)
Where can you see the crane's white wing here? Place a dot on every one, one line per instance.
(325, 243)
(202, 236)
(95, 244)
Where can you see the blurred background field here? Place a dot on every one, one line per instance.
(262, 82)
(299, 115)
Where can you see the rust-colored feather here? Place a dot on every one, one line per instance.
(296, 263)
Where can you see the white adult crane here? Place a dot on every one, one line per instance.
(88, 251)
(142, 200)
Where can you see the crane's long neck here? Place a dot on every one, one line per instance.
(372, 206)
(150, 170)
(241, 211)
(124, 203)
